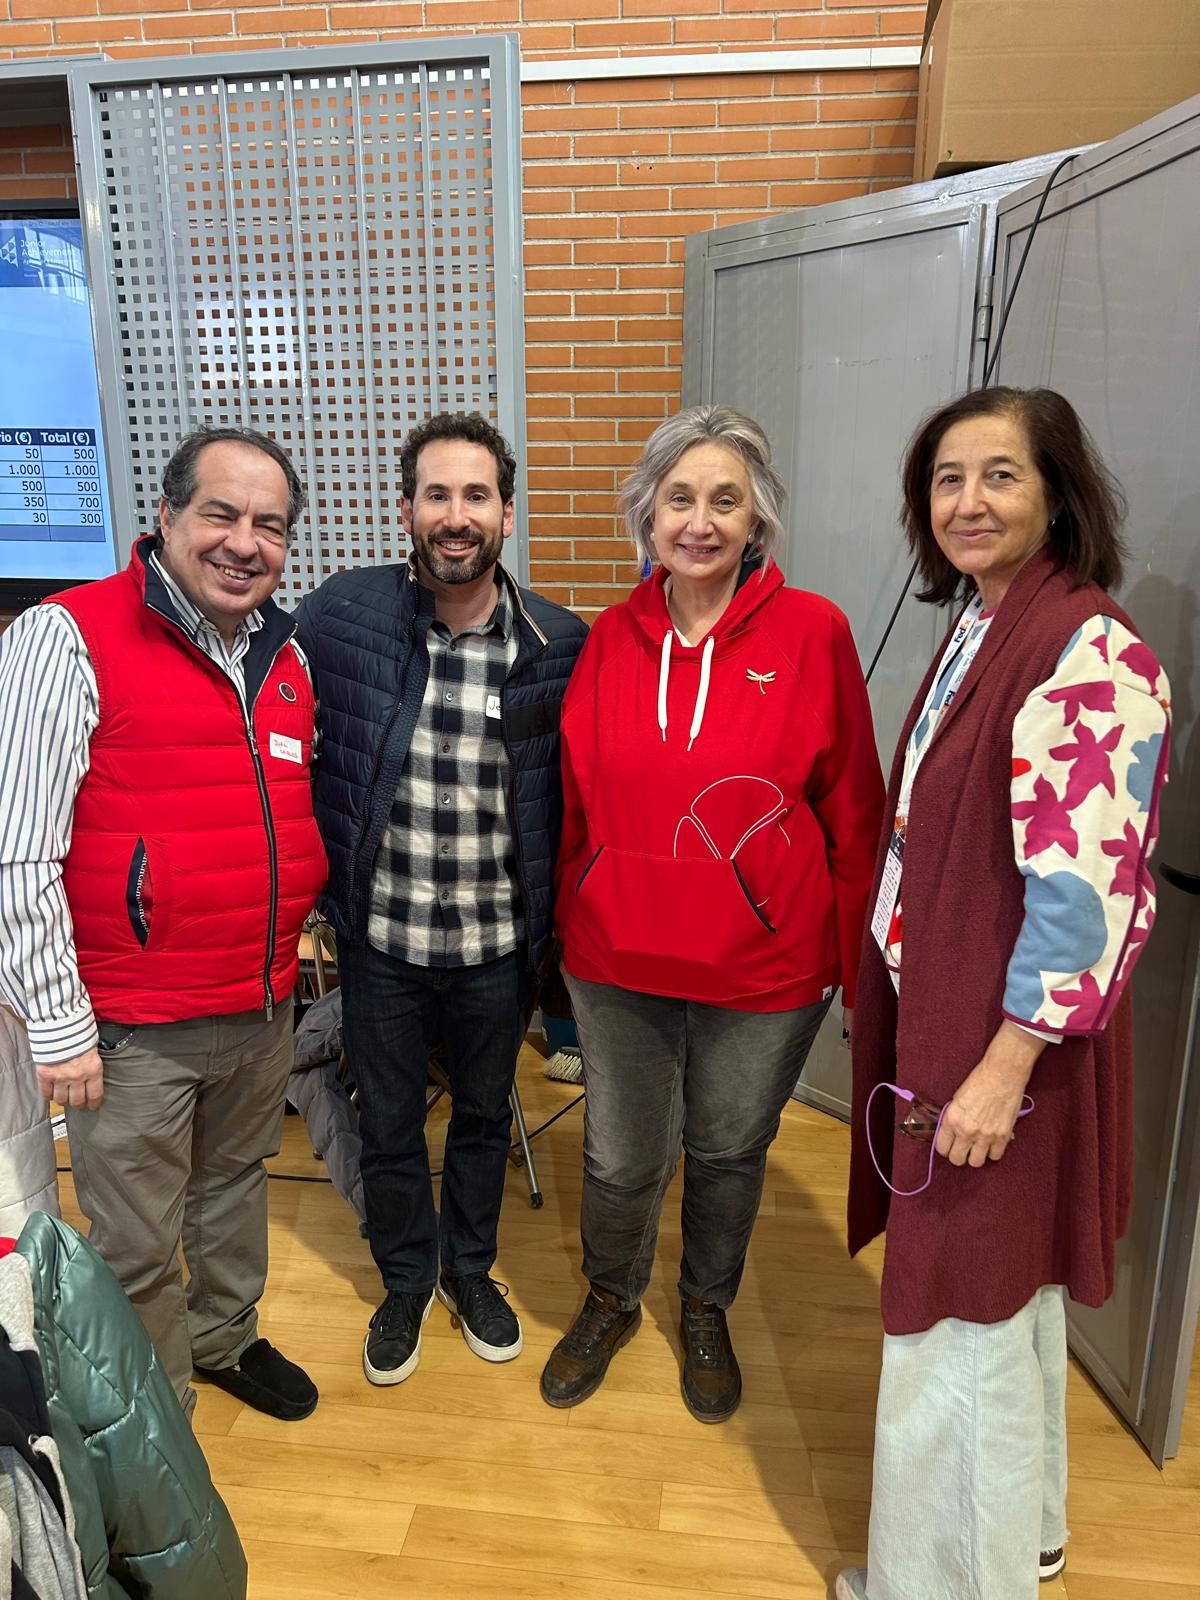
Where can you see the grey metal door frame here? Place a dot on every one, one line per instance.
(1071, 239)
(494, 58)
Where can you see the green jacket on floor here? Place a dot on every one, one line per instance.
(147, 1517)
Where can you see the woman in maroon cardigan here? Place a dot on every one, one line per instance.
(992, 1038)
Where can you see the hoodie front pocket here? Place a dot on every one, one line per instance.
(670, 926)
(139, 894)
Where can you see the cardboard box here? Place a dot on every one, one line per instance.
(1004, 79)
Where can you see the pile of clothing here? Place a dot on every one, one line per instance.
(104, 1491)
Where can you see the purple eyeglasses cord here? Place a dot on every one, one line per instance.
(908, 1095)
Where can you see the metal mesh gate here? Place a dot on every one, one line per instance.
(327, 254)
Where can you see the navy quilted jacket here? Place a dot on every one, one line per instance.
(357, 633)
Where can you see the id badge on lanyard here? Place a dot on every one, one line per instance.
(960, 652)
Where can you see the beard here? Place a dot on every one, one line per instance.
(463, 569)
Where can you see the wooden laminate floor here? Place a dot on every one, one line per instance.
(461, 1484)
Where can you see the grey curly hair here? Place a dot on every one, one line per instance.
(671, 439)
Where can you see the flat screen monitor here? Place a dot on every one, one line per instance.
(55, 518)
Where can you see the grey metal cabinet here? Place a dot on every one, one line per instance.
(837, 328)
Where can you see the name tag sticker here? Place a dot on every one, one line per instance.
(493, 705)
(286, 749)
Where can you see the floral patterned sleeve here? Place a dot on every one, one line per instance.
(1089, 751)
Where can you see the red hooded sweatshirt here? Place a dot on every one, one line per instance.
(723, 802)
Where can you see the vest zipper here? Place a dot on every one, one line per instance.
(272, 857)
(260, 779)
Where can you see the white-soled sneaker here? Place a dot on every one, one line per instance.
(393, 1345)
(1050, 1564)
(489, 1324)
(851, 1584)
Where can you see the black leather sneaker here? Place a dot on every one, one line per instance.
(711, 1379)
(1050, 1564)
(266, 1380)
(393, 1345)
(489, 1324)
(580, 1359)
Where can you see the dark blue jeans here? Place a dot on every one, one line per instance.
(393, 1014)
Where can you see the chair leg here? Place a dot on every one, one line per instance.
(525, 1154)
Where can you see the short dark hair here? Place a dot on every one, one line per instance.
(179, 478)
(1087, 504)
(468, 426)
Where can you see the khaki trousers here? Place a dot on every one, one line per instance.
(175, 1156)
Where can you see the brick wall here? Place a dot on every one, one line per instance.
(617, 174)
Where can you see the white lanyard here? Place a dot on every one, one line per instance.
(960, 652)
(956, 661)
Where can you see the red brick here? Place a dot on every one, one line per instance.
(590, 227)
(547, 147)
(548, 202)
(716, 30)
(851, 26)
(39, 136)
(570, 329)
(625, 199)
(38, 9)
(571, 278)
(649, 278)
(868, 108)
(581, 172)
(666, 115)
(619, 304)
(762, 113)
(850, 136)
(787, 195)
(894, 135)
(570, 572)
(740, 169)
(369, 17)
(98, 30)
(57, 163)
(874, 164)
(630, 405)
(471, 14)
(722, 142)
(706, 86)
(622, 35)
(727, 195)
(652, 227)
(547, 255)
(538, 119)
(560, 382)
(620, 250)
(548, 405)
(616, 91)
(192, 25)
(253, 23)
(569, 10)
(627, 146)
(672, 172)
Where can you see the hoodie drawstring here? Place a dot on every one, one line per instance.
(702, 691)
(664, 674)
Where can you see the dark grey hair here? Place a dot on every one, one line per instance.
(179, 479)
(705, 425)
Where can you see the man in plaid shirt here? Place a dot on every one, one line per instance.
(439, 798)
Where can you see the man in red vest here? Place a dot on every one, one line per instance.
(158, 857)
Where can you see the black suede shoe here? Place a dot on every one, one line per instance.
(266, 1380)
(393, 1344)
(489, 1324)
(712, 1380)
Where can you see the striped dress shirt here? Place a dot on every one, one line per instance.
(49, 710)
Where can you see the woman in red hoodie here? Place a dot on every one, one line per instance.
(723, 796)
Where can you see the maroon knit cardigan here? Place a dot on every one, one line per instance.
(980, 1242)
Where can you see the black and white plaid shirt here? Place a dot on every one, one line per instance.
(444, 887)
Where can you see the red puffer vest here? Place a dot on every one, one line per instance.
(194, 856)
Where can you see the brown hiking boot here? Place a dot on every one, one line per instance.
(712, 1380)
(580, 1359)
